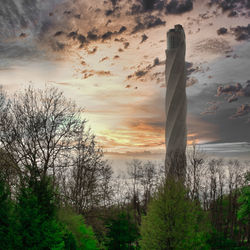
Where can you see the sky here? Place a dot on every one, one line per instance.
(109, 57)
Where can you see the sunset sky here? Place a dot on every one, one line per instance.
(109, 56)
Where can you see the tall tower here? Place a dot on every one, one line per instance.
(176, 103)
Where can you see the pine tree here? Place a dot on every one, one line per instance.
(36, 225)
(5, 215)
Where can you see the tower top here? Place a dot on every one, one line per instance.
(175, 36)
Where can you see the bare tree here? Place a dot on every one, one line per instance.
(87, 182)
(195, 172)
(37, 128)
(148, 182)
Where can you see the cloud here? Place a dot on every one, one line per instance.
(92, 36)
(22, 51)
(143, 38)
(234, 90)
(73, 35)
(81, 39)
(59, 33)
(243, 110)
(23, 35)
(200, 130)
(241, 32)
(57, 46)
(226, 148)
(229, 89)
(148, 4)
(179, 7)
(122, 29)
(232, 5)
(211, 109)
(222, 31)
(93, 51)
(213, 46)
(89, 73)
(232, 98)
(104, 59)
(147, 22)
(126, 44)
(135, 154)
(191, 81)
(140, 73)
(107, 35)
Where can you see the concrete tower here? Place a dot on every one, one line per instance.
(176, 103)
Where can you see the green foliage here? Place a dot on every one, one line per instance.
(5, 215)
(244, 200)
(69, 240)
(217, 240)
(35, 227)
(83, 234)
(122, 233)
(173, 221)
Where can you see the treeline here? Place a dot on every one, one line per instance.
(58, 192)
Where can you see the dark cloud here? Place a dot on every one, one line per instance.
(126, 44)
(109, 12)
(147, 22)
(229, 89)
(114, 2)
(241, 32)
(92, 36)
(140, 73)
(81, 39)
(11, 18)
(155, 22)
(244, 91)
(234, 90)
(222, 31)
(114, 11)
(107, 35)
(142, 6)
(23, 35)
(67, 12)
(18, 51)
(135, 9)
(144, 38)
(232, 98)
(78, 16)
(122, 29)
(46, 27)
(231, 5)
(73, 35)
(232, 13)
(179, 7)
(243, 110)
(156, 61)
(148, 4)
(139, 26)
(59, 33)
